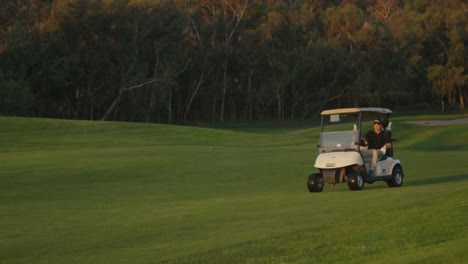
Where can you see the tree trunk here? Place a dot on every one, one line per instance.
(169, 107)
(192, 97)
(278, 97)
(91, 107)
(233, 108)
(248, 100)
(461, 98)
(109, 110)
(293, 105)
(223, 94)
(213, 113)
(150, 110)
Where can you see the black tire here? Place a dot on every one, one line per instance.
(355, 181)
(397, 177)
(315, 182)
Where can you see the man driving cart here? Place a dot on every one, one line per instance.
(377, 142)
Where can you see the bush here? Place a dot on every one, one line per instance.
(15, 98)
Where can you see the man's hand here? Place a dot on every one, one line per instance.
(363, 142)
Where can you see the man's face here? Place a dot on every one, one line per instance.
(376, 127)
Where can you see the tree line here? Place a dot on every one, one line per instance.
(176, 61)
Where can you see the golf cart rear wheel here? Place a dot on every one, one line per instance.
(355, 181)
(397, 177)
(315, 182)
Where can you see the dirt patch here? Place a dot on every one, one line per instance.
(461, 121)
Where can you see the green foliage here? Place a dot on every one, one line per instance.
(182, 61)
(343, 23)
(80, 191)
(15, 98)
(446, 80)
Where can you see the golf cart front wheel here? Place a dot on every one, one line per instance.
(355, 181)
(397, 177)
(315, 182)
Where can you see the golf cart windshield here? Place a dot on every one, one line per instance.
(339, 141)
(339, 133)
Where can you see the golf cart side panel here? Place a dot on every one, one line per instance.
(385, 167)
(333, 160)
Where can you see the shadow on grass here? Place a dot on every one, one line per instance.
(443, 179)
(383, 185)
(437, 180)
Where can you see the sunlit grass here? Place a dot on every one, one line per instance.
(103, 192)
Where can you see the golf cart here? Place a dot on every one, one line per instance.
(341, 148)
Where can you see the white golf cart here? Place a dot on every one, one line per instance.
(341, 148)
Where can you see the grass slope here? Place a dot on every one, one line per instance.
(103, 192)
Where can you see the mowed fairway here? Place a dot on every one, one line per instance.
(104, 192)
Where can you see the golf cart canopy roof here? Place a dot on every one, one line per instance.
(356, 110)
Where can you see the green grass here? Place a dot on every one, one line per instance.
(104, 192)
